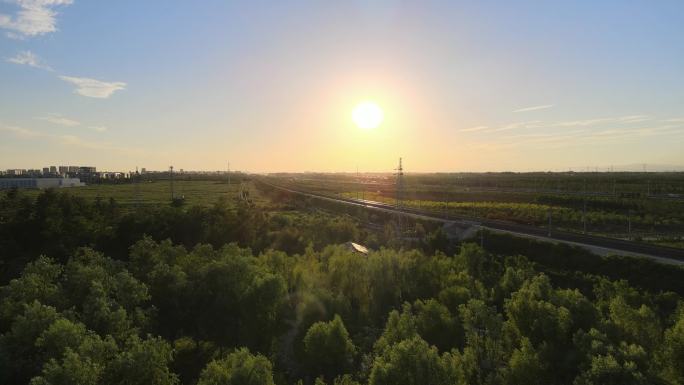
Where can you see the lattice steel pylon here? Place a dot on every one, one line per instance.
(173, 195)
(400, 198)
(400, 185)
(137, 196)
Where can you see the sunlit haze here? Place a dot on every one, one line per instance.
(271, 86)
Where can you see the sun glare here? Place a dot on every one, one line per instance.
(367, 115)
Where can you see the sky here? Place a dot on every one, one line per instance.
(269, 86)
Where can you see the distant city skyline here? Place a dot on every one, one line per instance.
(270, 86)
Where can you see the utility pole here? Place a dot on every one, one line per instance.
(549, 229)
(228, 170)
(363, 191)
(482, 237)
(629, 224)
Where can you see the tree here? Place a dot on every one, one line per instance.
(636, 325)
(190, 357)
(608, 370)
(472, 259)
(238, 368)
(108, 298)
(532, 314)
(71, 370)
(19, 356)
(142, 362)
(525, 367)
(82, 363)
(484, 353)
(410, 362)
(673, 352)
(328, 349)
(236, 301)
(606, 363)
(62, 334)
(429, 319)
(39, 281)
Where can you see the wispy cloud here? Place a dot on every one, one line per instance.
(517, 125)
(94, 88)
(471, 129)
(68, 122)
(91, 88)
(634, 118)
(32, 18)
(30, 59)
(68, 140)
(534, 108)
(536, 124)
(20, 132)
(586, 133)
(587, 137)
(60, 120)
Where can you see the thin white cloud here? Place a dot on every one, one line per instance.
(20, 132)
(33, 17)
(68, 140)
(621, 120)
(99, 128)
(73, 140)
(674, 120)
(471, 129)
(586, 137)
(60, 120)
(517, 125)
(94, 88)
(582, 123)
(91, 88)
(534, 108)
(634, 118)
(30, 59)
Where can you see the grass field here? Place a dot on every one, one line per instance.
(150, 193)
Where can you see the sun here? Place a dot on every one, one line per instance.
(367, 115)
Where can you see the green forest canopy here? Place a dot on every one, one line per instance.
(112, 301)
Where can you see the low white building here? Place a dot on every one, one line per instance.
(39, 182)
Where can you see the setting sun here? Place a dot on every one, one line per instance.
(367, 115)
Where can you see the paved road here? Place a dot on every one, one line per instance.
(597, 245)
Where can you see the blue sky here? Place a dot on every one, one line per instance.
(269, 86)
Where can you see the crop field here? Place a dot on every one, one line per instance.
(158, 192)
(646, 207)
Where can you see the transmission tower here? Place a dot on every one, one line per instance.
(400, 198)
(137, 197)
(171, 181)
(400, 185)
